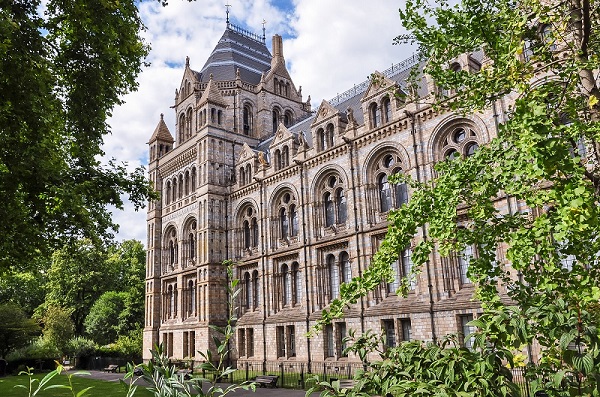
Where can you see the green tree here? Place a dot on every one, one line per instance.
(27, 289)
(58, 327)
(104, 323)
(78, 276)
(543, 57)
(62, 74)
(16, 329)
(129, 261)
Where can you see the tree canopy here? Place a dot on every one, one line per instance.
(541, 57)
(61, 74)
(16, 329)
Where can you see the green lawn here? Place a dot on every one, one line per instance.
(99, 388)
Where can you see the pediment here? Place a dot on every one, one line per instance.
(378, 83)
(246, 154)
(282, 135)
(325, 112)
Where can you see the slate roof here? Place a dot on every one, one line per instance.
(161, 132)
(399, 73)
(236, 50)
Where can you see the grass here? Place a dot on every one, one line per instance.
(100, 388)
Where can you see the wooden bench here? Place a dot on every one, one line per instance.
(266, 380)
(111, 368)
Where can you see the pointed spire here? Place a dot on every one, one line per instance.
(212, 94)
(227, 20)
(187, 61)
(161, 132)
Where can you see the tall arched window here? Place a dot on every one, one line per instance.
(277, 156)
(187, 183)
(283, 218)
(168, 193)
(329, 209)
(334, 277)
(340, 201)
(385, 197)
(191, 298)
(345, 267)
(329, 134)
(276, 116)
(254, 229)
(181, 127)
(287, 284)
(172, 255)
(464, 257)
(192, 242)
(248, 301)
(242, 176)
(297, 282)
(171, 306)
(180, 193)
(374, 115)
(194, 179)
(174, 195)
(256, 286)
(188, 121)
(285, 157)
(248, 173)
(248, 120)
(387, 110)
(322, 139)
(247, 240)
(293, 221)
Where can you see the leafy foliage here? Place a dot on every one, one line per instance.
(16, 329)
(533, 191)
(62, 74)
(103, 323)
(58, 327)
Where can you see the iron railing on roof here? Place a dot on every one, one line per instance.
(362, 87)
(247, 33)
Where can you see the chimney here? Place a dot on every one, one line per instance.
(277, 46)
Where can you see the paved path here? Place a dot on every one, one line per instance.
(260, 392)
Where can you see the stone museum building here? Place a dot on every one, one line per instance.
(298, 199)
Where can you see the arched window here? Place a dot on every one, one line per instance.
(256, 286)
(340, 201)
(248, 119)
(287, 284)
(285, 208)
(374, 115)
(329, 209)
(188, 120)
(285, 157)
(248, 173)
(248, 301)
(322, 139)
(293, 221)
(247, 239)
(464, 257)
(334, 201)
(387, 110)
(393, 286)
(284, 222)
(461, 141)
(385, 197)
(334, 277)
(297, 283)
(276, 116)
(171, 306)
(192, 242)
(254, 227)
(187, 183)
(288, 118)
(401, 193)
(287, 89)
(194, 179)
(407, 266)
(180, 194)
(172, 255)
(174, 195)
(168, 193)
(181, 127)
(278, 164)
(213, 115)
(329, 134)
(242, 176)
(345, 267)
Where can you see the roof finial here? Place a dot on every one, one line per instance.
(227, 6)
(162, 116)
(264, 38)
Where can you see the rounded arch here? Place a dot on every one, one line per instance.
(380, 150)
(442, 139)
(242, 205)
(278, 193)
(323, 174)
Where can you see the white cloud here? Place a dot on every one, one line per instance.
(334, 45)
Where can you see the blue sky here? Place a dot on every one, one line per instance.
(329, 45)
